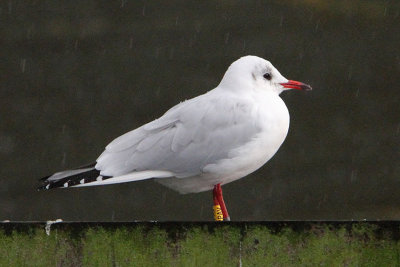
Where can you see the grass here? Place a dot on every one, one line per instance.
(126, 247)
(248, 244)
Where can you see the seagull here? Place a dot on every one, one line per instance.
(201, 143)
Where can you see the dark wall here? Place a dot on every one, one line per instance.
(74, 75)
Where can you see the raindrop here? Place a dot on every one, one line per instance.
(144, 10)
(7, 144)
(64, 159)
(322, 201)
(317, 26)
(176, 21)
(357, 92)
(311, 16)
(244, 45)
(281, 22)
(123, 2)
(29, 32)
(350, 74)
(158, 92)
(270, 192)
(227, 37)
(385, 12)
(198, 26)
(23, 64)
(76, 44)
(398, 129)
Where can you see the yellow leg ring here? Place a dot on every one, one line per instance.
(218, 213)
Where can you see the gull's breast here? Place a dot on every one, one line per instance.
(273, 118)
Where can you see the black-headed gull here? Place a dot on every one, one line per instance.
(201, 143)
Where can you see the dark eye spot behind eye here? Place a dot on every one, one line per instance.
(267, 76)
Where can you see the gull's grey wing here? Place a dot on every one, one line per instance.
(186, 138)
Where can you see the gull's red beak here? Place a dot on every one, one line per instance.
(296, 85)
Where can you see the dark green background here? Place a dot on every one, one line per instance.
(76, 74)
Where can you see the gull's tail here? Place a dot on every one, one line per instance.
(78, 176)
(89, 176)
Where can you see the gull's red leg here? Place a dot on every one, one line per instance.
(218, 193)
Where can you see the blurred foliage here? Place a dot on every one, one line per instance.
(317, 244)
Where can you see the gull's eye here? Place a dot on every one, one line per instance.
(267, 76)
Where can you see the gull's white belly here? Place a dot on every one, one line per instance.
(242, 160)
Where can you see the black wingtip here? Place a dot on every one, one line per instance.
(87, 176)
(90, 165)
